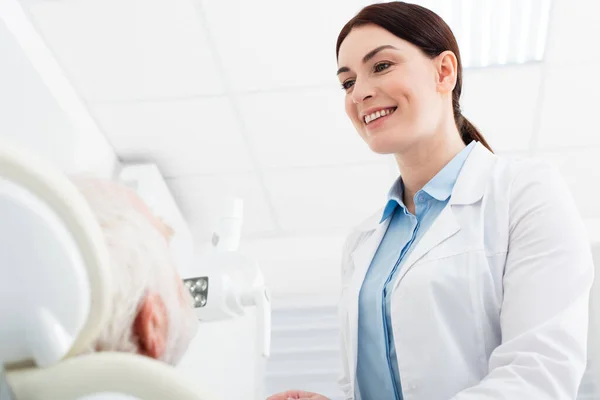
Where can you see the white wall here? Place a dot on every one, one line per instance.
(223, 359)
(307, 266)
(37, 111)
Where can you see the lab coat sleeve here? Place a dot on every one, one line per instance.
(547, 281)
(346, 276)
(344, 380)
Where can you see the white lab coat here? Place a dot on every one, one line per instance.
(492, 304)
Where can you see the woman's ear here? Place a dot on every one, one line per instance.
(447, 70)
(151, 326)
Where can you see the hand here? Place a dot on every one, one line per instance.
(297, 395)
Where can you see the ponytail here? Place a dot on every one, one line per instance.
(469, 132)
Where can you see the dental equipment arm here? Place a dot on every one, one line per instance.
(233, 280)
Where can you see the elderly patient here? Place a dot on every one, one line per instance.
(151, 312)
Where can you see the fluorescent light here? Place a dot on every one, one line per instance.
(447, 8)
(524, 31)
(486, 34)
(503, 39)
(542, 29)
(466, 47)
(493, 32)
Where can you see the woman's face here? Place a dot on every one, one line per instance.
(391, 89)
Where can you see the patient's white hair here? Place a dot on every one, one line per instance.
(140, 262)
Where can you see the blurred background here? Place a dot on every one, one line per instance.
(240, 98)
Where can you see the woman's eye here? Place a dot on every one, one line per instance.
(382, 66)
(347, 84)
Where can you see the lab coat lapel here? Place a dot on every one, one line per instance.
(443, 227)
(361, 257)
(363, 254)
(469, 188)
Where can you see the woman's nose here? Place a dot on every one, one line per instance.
(361, 92)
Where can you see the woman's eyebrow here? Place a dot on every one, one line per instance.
(368, 56)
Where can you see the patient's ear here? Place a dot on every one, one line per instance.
(151, 326)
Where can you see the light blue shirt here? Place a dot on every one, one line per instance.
(377, 372)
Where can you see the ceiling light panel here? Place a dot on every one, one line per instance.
(496, 32)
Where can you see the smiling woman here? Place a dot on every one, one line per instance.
(473, 280)
(400, 68)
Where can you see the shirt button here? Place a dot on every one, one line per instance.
(421, 198)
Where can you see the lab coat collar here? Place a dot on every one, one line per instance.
(439, 187)
(474, 177)
(469, 188)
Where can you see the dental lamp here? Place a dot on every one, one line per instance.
(231, 282)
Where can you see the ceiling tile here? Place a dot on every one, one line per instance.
(183, 137)
(502, 103)
(303, 128)
(269, 43)
(201, 200)
(581, 170)
(574, 32)
(570, 107)
(129, 49)
(328, 198)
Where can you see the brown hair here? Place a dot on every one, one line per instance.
(426, 30)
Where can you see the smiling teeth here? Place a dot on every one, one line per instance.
(378, 114)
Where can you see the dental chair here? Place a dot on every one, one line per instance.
(54, 288)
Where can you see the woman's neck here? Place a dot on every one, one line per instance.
(419, 164)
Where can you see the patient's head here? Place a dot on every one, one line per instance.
(151, 312)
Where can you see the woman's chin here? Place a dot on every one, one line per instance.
(382, 146)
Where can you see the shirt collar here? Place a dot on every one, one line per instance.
(439, 187)
(394, 199)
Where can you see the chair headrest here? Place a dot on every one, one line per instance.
(123, 373)
(53, 263)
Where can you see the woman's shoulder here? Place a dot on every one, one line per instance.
(528, 182)
(516, 171)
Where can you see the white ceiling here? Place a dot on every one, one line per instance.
(129, 50)
(185, 137)
(240, 97)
